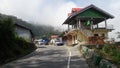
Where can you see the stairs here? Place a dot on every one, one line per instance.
(83, 35)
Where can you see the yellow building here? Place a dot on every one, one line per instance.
(83, 25)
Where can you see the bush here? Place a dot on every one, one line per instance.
(106, 49)
(113, 52)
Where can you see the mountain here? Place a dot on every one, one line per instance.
(39, 31)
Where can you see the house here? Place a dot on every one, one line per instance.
(24, 32)
(56, 40)
(21, 27)
(53, 39)
(83, 25)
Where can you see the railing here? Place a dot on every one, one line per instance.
(83, 30)
(108, 27)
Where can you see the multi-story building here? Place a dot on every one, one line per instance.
(83, 25)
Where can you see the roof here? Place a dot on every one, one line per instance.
(76, 9)
(72, 16)
(17, 22)
(54, 36)
(24, 28)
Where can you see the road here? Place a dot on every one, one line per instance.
(50, 57)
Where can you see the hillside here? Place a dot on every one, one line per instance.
(38, 30)
(12, 46)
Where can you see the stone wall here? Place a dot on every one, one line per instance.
(94, 60)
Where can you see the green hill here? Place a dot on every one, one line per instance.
(38, 30)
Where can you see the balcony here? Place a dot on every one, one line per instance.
(108, 27)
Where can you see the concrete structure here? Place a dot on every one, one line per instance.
(83, 25)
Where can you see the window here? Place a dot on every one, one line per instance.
(103, 35)
(96, 35)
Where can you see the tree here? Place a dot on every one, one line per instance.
(118, 33)
(7, 30)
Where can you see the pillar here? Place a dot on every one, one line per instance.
(97, 26)
(79, 23)
(68, 27)
(91, 25)
(105, 23)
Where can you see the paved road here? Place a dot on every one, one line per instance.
(50, 57)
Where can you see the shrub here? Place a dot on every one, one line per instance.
(106, 49)
(113, 52)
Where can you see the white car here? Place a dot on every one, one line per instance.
(39, 41)
(59, 43)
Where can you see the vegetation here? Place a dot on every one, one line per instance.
(12, 46)
(110, 52)
(118, 34)
(39, 31)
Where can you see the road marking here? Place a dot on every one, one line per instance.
(69, 57)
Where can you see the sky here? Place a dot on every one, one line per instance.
(54, 12)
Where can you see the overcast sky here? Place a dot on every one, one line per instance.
(54, 12)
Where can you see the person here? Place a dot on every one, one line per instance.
(76, 42)
(52, 41)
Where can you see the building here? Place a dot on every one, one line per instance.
(83, 25)
(53, 39)
(21, 27)
(24, 32)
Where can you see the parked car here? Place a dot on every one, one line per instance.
(46, 42)
(42, 41)
(59, 43)
(39, 41)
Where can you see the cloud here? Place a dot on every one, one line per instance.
(25, 9)
(55, 12)
(40, 11)
(115, 9)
